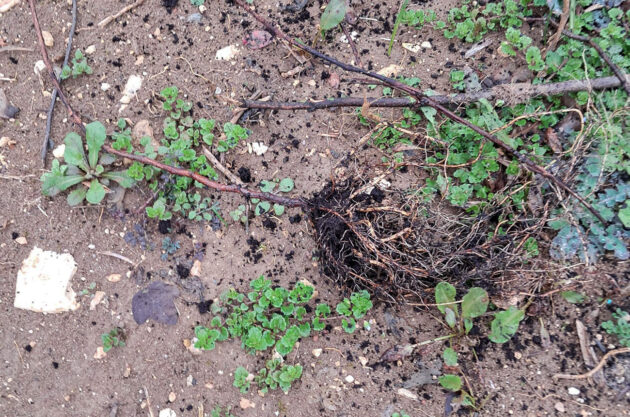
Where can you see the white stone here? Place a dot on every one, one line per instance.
(227, 54)
(43, 282)
(167, 412)
(317, 352)
(105, 86)
(406, 393)
(349, 379)
(90, 49)
(412, 47)
(573, 391)
(59, 151)
(426, 45)
(259, 148)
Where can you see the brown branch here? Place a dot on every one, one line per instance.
(237, 189)
(623, 78)
(218, 165)
(593, 371)
(518, 92)
(426, 101)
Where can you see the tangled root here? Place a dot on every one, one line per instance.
(396, 245)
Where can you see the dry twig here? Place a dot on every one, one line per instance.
(48, 143)
(599, 366)
(109, 19)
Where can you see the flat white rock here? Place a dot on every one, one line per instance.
(227, 54)
(43, 282)
(167, 412)
(131, 88)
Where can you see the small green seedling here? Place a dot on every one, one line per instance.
(79, 66)
(285, 185)
(219, 412)
(621, 328)
(86, 169)
(273, 318)
(115, 338)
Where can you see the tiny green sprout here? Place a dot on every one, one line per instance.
(115, 338)
(82, 168)
(401, 414)
(233, 135)
(241, 379)
(79, 66)
(620, 328)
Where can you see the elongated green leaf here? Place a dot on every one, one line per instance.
(573, 297)
(74, 153)
(57, 180)
(333, 14)
(77, 196)
(475, 303)
(445, 293)
(121, 177)
(95, 138)
(96, 193)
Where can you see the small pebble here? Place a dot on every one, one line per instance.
(349, 379)
(573, 391)
(90, 49)
(49, 41)
(171, 397)
(559, 407)
(426, 45)
(317, 352)
(518, 355)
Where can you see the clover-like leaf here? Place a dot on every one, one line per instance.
(286, 185)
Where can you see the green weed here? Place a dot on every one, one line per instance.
(115, 338)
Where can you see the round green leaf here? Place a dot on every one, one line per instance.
(278, 209)
(96, 193)
(475, 303)
(333, 15)
(451, 382)
(505, 324)
(450, 357)
(286, 185)
(444, 293)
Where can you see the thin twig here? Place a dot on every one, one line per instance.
(564, 18)
(107, 20)
(218, 165)
(424, 100)
(237, 189)
(48, 143)
(15, 49)
(51, 72)
(346, 32)
(518, 92)
(599, 366)
(118, 256)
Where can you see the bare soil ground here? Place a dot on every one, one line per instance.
(46, 361)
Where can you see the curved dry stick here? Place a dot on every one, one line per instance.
(517, 92)
(424, 100)
(599, 366)
(48, 143)
(237, 189)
